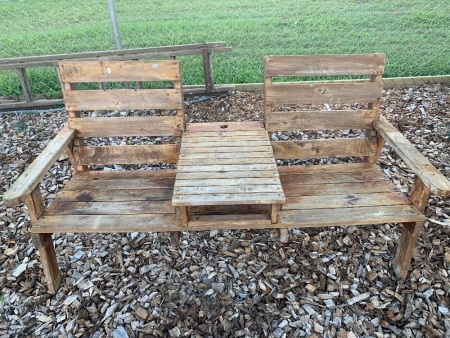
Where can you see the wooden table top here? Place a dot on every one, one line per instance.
(221, 165)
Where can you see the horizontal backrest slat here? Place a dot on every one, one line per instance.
(322, 65)
(123, 99)
(321, 120)
(134, 154)
(118, 71)
(127, 126)
(342, 147)
(317, 93)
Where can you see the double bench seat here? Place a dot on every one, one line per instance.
(354, 193)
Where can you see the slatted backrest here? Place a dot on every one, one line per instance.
(166, 95)
(314, 99)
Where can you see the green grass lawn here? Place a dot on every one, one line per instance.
(414, 34)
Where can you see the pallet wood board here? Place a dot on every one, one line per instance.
(126, 154)
(323, 148)
(307, 65)
(115, 71)
(127, 126)
(123, 99)
(321, 120)
(319, 93)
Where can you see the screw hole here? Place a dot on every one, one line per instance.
(223, 126)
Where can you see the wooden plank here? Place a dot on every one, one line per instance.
(225, 161)
(328, 168)
(116, 195)
(340, 177)
(229, 209)
(430, 176)
(340, 147)
(349, 216)
(223, 180)
(188, 138)
(192, 135)
(231, 167)
(350, 200)
(138, 154)
(223, 156)
(109, 208)
(223, 126)
(321, 120)
(127, 126)
(106, 223)
(219, 150)
(123, 99)
(318, 93)
(145, 223)
(225, 143)
(223, 221)
(321, 65)
(120, 183)
(31, 177)
(123, 175)
(119, 71)
(231, 189)
(226, 199)
(269, 175)
(338, 189)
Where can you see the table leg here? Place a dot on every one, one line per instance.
(273, 213)
(184, 216)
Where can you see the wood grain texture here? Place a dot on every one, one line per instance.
(310, 65)
(31, 177)
(118, 71)
(318, 93)
(321, 120)
(322, 148)
(350, 216)
(139, 154)
(123, 99)
(127, 126)
(430, 176)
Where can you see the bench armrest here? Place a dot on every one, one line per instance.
(32, 176)
(430, 176)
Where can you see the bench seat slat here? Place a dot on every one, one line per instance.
(110, 208)
(350, 216)
(351, 200)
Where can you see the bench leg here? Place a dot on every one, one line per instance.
(44, 243)
(405, 248)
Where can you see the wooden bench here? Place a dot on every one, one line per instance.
(144, 201)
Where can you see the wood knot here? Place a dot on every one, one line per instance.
(320, 90)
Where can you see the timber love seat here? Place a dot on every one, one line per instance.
(226, 174)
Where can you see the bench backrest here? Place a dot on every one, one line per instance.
(124, 87)
(306, 105)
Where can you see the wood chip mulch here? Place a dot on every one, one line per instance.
(326, 282)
